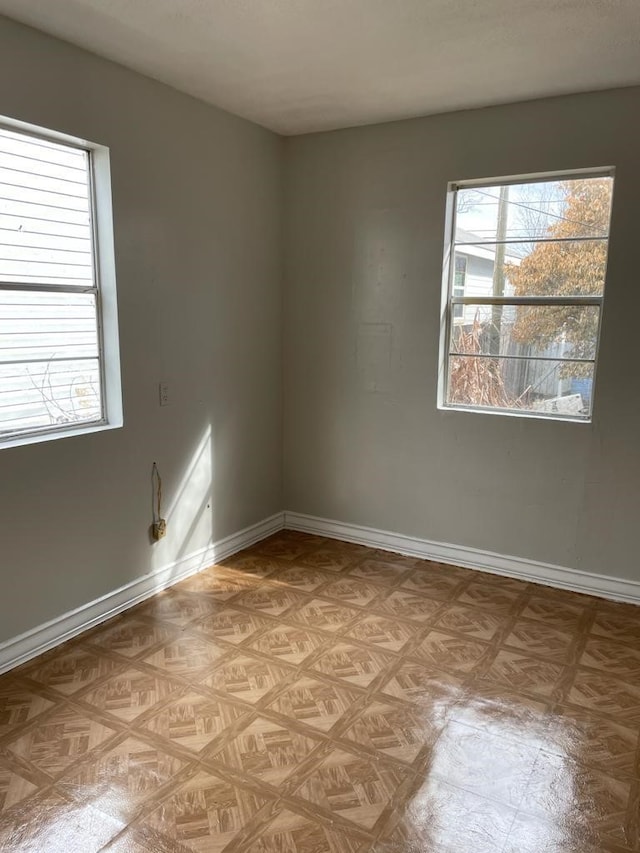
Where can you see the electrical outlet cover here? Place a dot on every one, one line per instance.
(159, 528)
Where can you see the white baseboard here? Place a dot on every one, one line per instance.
(20, 649)
(618, 589)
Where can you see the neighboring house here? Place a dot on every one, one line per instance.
(473, 275)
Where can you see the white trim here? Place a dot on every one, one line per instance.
(562, 577)
(20, 649)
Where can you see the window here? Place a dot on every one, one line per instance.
(59, 366)
(524, 288)
(459, 275)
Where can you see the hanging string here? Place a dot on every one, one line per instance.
(155, 473)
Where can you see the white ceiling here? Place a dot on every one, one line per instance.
(304, 65)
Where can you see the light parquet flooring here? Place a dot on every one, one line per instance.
(314, 696)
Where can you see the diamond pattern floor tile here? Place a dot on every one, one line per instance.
(130, 637)
(612, 657)
(537, 638)
(193, 721)
(186, 657)
(257, 565)
(353, 664)
(302, 577)
(470, 621)
(176, 607)
(438, 585)
(352, 591)
(18, 705)
(406, 605)
(217, 586)
(520, 672)
(13, 788)
(490, 596)
(605, 695)
(326, 615)
(300, 834)
(245, 677)
(267, 751)
(417, 683)
(232, 625)
(204, 815)
(609, 746)
(450, 651)
(329, 559)
(336, 786)
(314, 703)
(614, 626)
(122, 778)
(394, 730)
(554, 614)
(314, 696)
(272, 600)
(130, 693)
(281, 549)
(72, 670)
(288, 643)
(497, 710)
(382, 632)
(50, 824)
(441, 818)
(380, 570)
(63, 737)
(590, 801)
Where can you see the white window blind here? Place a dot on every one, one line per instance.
(50, 365)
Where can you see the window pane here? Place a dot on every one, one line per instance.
(552, 209)
(548, 387)
(565, 268)
(45, 221)
(459, 273)
(48, 393)
(459, 276)
(37, 326)
(541, 331)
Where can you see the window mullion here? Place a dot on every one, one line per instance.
(47, 288)
(504, 357)
(526, 300)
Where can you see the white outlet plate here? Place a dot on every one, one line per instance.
(163, 393)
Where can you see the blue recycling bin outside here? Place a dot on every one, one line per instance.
(583, 387)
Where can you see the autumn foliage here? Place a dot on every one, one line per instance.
(566, 269)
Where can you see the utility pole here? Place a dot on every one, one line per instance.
(498, 268)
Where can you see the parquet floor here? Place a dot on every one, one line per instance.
(310, 695)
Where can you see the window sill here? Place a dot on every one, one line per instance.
(53, 435)
(511, 413)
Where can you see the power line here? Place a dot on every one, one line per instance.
(535, 210)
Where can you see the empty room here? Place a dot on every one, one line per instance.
(319, 426)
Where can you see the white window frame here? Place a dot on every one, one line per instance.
(104, 289)
(449, 300)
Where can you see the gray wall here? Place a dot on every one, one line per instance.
(364, 441)
(197, 207)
